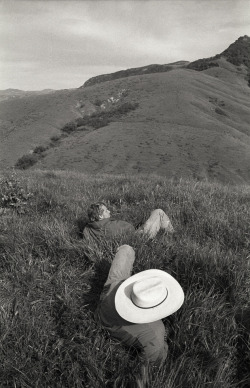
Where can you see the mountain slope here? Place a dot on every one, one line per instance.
(188, 123)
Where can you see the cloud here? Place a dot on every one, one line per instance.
(64, 37)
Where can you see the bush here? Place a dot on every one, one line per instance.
(40, 149)
(101, 119)
(13, 194)
(126, 107)
(26, 161)
(97, 102)
(220, 112)
(80, 122)
(69, 127)
(202, 64)
(55, 138)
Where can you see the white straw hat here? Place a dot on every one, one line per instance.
(148, 296)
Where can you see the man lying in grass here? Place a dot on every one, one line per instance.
(131, 307)
(102, 225)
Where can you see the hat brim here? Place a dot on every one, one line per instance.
(132, 313)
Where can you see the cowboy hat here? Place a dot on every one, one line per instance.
(148, 296)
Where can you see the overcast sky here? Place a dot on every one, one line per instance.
(60, 44)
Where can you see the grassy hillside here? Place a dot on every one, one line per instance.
(29, 121)
(50, 281)
(188, 123)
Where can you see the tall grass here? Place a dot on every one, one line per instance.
(50, 282)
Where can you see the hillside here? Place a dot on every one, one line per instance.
(50, 280)
(187, 124)
(134, 71)
(9, 94)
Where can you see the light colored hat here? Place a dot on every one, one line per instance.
(148, 296)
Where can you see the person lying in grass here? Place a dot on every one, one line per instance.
(101, 225)
(131, 308)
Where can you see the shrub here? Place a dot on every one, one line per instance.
(202, 64)
(55, 138)
(13, 194)
(126, 107)
(220, 112)
(26, 161)
(69, 127)
(80, 122)
(40, 149)
(97, 102)
(101, 119)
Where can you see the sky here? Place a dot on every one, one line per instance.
(61, 44)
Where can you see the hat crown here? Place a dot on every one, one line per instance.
(148, 292)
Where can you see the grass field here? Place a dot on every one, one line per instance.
(50, 281)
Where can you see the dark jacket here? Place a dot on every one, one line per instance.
(106, 228)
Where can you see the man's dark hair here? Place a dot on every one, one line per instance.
(95, 211)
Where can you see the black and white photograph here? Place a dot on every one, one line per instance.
(125, 193)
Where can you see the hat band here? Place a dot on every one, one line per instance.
(151, 307)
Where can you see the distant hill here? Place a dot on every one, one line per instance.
(177, 123)
(8, 94)
(134, 71)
